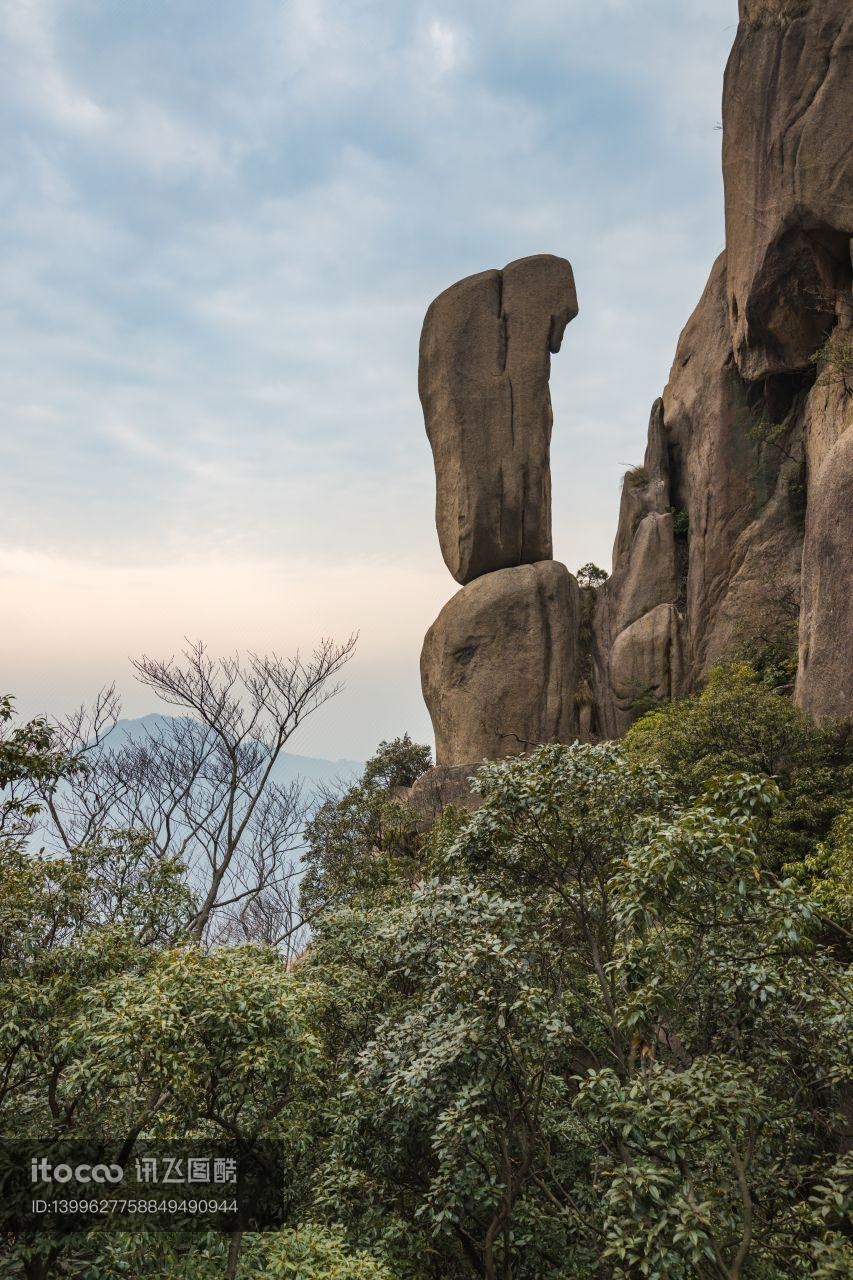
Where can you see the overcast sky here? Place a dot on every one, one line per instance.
(221, 225)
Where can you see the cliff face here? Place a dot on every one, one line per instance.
(740, 519)
(743, 510)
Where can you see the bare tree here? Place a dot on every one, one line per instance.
(201, 783)
(272, 916)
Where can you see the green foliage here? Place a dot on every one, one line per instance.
(310, 1253)
(595, 1030)
(797, 490)
(108, 1028)
(834, 360)
(603, 1044)
(680, 522)
(738, 724)
(589, 575)
(637, 477)
(105, 1030)
(769, 647)
(397, 764)
(29, 759)
(825, 876)
(767, 636)
(361, 841)
(764, 432)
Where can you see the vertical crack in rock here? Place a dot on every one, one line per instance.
(479, 414)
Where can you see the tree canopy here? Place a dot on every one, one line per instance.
(599, 1027)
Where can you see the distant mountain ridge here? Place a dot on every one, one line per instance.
(311, 770)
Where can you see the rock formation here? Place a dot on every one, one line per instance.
(788, 179)
(749, 450)
(499, 664)
(740, 520)
(485, 357)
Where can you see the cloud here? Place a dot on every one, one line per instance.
(446, 45)
(139, 130)
(39, 75)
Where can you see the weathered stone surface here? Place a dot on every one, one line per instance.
(645, 662)
(498, 666)
(648, 491)
(763, 589)
(787, 107)
(644, 576)
(707, 417)
(650, 577)
(485, 358)
(440, 787)
(739, 527)
(743, 444)
(825, 677)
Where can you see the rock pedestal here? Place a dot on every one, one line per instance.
(499, 664)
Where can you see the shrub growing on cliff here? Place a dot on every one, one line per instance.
(775, 13)
(590, 575)
(834, 360)
(637, 476)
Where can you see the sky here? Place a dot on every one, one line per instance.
(221, 225)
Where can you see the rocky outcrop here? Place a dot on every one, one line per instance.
(651, 575)
(825, 676)
(788, 179)
(749, 449)
(636, 627)
(439, 788)
(645, 661)
(499, 663)
(485, 358)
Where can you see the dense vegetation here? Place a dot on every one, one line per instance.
(600, 1027)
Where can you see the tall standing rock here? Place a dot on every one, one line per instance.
(499, 664)
(485, 359)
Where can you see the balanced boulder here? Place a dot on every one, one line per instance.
(485, 359)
